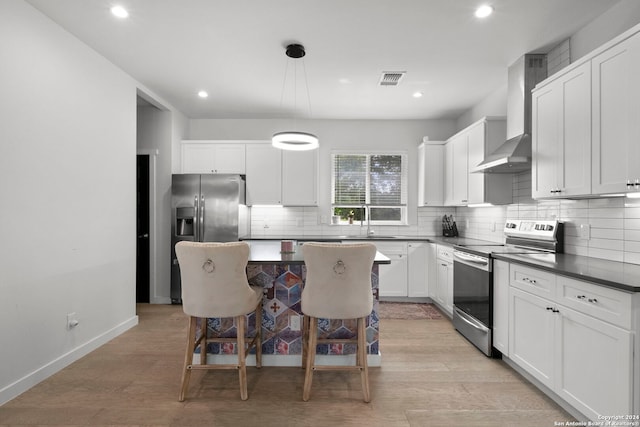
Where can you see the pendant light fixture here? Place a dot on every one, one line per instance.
(293, 139)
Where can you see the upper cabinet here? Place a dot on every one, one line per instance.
(431, 173)
(561, 140)
(264, 174)
(212, 157)
(280, 177)
(300, 178)
(616, 118)
(586, 124)
(464, 151)
(485, 136)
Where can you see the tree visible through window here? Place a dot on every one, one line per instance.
(374, 180)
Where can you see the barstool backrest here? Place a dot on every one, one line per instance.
(338, 282)
(214, 279)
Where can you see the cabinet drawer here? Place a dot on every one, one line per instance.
(445, 253)
(603, 303)
(532, 280)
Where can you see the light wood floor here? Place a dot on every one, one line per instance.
(430, 376)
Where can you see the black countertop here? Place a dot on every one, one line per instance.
(613, 274)
(268, 252)
(451, 241)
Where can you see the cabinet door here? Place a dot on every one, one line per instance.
(432, 270)
(545, 140)
(616, 109)
(592, 356)
(501, 306)
(441, 283)
(476, 154)
(532, 335)
(393, 277)
(392, 281)
(198, 158)
(574, 174)
(431, 174)
(230, 158)
(418, 269)
(460, 170)
(213, 157)
(300, 178)
(448, 174)
(264, 175)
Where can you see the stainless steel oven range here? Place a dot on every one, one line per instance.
(473, 275)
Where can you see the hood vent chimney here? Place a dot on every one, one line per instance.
(514, 155)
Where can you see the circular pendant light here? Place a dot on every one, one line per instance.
(295, 140)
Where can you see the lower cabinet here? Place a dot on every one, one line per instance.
(575, 352)
(444, 279)
(418, 262)
(500, 328)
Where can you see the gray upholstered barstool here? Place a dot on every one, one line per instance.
(214, 284)
(337, 286)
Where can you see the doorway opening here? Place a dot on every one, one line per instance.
(143, 248)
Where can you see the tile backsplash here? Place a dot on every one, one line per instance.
(606, 228)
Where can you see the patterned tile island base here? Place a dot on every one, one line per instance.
(282, 319)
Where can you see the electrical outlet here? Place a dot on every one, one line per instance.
(585, 231)
(294, 323)
(72, 320)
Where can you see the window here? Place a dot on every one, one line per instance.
(369, 184)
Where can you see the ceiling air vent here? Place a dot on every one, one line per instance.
(391, 78)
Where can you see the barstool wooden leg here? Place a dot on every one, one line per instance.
(259, 335)
(311, 356)
(305, 340)
(188, 357)
(362, 356)
(204, 330)
(242, 364)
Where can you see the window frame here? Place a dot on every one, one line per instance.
(404, 194)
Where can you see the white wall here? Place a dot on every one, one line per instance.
(67, 185)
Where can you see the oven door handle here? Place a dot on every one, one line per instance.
(470, 320)
(472, 259)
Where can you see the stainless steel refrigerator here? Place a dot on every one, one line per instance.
(205, 208)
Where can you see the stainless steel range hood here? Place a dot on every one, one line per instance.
(514, 155)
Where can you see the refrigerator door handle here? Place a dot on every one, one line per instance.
(202, 218)
(196, 208)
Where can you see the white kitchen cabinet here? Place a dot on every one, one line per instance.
(501, 306)
(392, 279)
(448, 174)
(418, 254)
(212, 157)
(300, 178)
(484, 137)
(616, 113)
(460, 169)
(561, 140)
(431, 173)
(264, 174)
(532, 338)
(444, 283)
(574, 337)
(592, 356)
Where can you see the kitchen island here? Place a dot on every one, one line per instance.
(282, 276)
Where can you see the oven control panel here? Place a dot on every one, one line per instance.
(531, 228)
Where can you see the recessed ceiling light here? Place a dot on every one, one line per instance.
(344, 81)
(484, 11)
(417, 94)
(119, 11)
(203, 94)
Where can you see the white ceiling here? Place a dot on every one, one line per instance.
(235, 51)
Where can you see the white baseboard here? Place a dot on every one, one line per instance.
(25, 383)
(373, 360)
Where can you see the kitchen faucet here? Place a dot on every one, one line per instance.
(367, 211)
